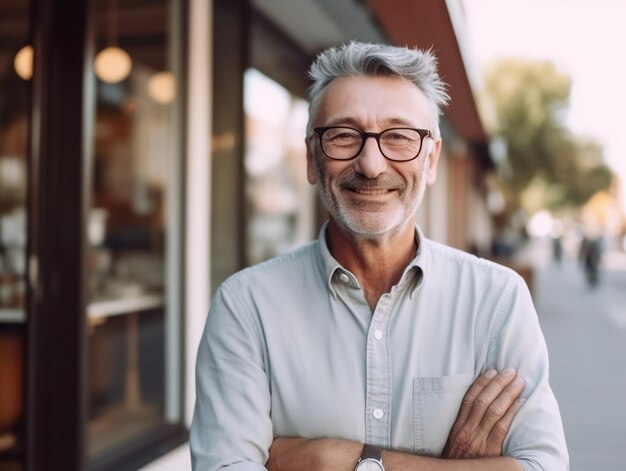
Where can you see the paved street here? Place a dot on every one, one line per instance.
(585, 330)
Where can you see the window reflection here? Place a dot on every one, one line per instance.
(14, 134)
(14, 127)
(130, 229)
(280, 200)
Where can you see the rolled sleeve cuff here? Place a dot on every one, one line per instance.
(245, 467)
(542, 462)
(199, 465)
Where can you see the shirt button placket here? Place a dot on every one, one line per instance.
(378, 401)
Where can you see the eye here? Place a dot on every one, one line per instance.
(342, 136)
(399, 136)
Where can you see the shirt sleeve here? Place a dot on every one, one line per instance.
(536, 438)
(231, 428)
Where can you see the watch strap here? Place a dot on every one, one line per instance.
(368, 454)
(372, 452)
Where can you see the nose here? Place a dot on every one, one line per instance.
(370, 162)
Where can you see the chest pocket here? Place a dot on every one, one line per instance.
(436, 403)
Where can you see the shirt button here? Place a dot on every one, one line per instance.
(378, 335)
(344, 278)
(378, 413)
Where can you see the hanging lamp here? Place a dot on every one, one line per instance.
(23, 62)
(113, 64)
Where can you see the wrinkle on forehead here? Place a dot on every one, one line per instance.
(373, 103)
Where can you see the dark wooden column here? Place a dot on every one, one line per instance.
(57, 210)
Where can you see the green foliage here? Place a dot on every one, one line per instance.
(546, 167)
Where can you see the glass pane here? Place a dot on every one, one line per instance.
(15, 86)
(281, 202)
(133, 314)
(15, 73)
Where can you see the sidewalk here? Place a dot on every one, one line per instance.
(586, 334)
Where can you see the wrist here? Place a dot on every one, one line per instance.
(370, 459)
(338, 454)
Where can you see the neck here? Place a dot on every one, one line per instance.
(377, 263)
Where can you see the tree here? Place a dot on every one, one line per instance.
(546, 166)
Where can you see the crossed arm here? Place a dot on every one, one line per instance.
(233, 428)
(475, 441)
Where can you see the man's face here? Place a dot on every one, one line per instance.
(370, 195)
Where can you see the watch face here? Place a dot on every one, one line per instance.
(369, 464)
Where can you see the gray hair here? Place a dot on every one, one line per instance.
(375, 60)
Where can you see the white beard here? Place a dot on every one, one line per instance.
(366, 223)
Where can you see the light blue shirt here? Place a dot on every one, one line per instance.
(291, 348)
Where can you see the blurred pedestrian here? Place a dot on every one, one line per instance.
(591, 255)
(557, 249)
(374, 338)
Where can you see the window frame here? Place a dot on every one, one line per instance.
(59, 180)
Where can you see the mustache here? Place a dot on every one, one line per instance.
(355, 181)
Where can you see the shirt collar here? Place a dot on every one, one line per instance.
(420, 261)
(331, 269)
(333, 272)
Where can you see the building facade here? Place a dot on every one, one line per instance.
(149, 149)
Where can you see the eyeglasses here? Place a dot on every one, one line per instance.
(397, 144)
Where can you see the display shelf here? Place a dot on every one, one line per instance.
(97, 309)
(123, 306)
(12, 316)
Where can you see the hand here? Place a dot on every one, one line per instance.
(287, 453)
(485, 416)
(300, 454)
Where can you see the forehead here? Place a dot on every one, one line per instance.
(373, 101)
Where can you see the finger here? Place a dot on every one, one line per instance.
(472, 393)
(501, 428)
(487, 396)
(500, 406)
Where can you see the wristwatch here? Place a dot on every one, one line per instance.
(370, 460)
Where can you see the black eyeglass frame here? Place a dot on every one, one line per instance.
(423, 133)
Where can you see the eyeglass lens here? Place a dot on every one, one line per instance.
(396, 144)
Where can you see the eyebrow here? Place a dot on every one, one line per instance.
(349, 121)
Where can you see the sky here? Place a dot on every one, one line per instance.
(584, 38)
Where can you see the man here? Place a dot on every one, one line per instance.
(374, 348)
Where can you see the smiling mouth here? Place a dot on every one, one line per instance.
(370, 191)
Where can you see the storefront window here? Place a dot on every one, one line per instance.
(15, 90)
(280, 201)
(15, 75)
(134, 309)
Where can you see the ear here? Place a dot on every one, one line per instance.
(311, 166)
(431, 161)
